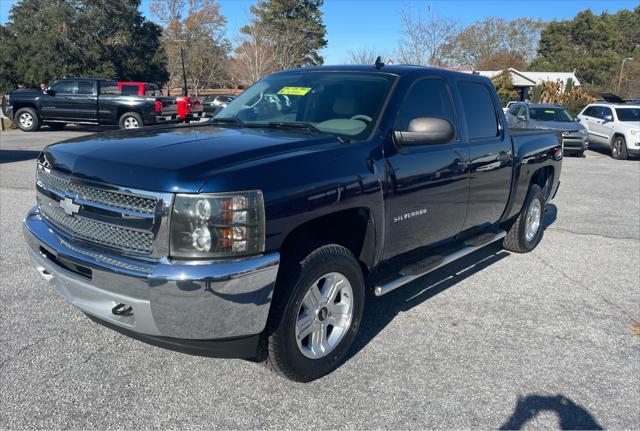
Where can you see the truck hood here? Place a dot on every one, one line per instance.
(563, 126)
(174, 159)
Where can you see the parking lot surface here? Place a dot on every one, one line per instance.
(539, 340)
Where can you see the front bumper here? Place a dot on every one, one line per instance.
(188, 301)
(575, 142)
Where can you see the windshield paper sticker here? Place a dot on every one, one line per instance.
(294, 91)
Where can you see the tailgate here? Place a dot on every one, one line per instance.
(169, 106)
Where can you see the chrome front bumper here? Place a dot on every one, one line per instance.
(203, 301)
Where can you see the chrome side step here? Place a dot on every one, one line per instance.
(470, 247)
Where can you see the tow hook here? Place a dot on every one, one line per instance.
(122, 310)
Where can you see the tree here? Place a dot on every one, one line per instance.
(47, 39)
(364, 55)
(423, 39)
(254, 57)
(594, 45)
(197, 27)
(483, 40)
(501, 60)
(293, 28)
(504, 87)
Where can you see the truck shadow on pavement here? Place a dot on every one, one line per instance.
(10, 156)
(379, 312)
(571, 416)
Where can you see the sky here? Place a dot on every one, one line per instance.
(352, 24)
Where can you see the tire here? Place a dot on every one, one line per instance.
(525, 234)
(619, 148)
(56, 126)
(130, 120)
(27, 120)
(304, 358)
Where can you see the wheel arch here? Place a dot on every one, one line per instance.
(20, 105)
(352, 228)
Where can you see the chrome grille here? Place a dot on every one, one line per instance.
(101, 233)
(130, 202)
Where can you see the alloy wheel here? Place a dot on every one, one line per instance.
(26, 120)
(534, 217)
(324, 316)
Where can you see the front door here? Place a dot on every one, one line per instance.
(57, 103)
(426, 186)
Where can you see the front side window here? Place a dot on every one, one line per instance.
(426, 98)
(628, 114)
(604, 112)
(479, 110)
(590, 112)
(64, 87)
(550, 114)
(346, 104)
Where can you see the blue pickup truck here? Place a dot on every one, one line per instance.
(258, 233)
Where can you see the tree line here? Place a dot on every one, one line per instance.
(48, 39)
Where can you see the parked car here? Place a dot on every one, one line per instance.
(81, 101)
(214, 104)
(189, 109)
(508, 105)
(613, 126)
(258, 232)
(550, 117)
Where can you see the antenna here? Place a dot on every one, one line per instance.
(379, 64)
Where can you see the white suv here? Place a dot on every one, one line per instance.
(614, 126)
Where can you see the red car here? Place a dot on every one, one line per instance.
(189, 108)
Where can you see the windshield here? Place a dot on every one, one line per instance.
(628, 114)
(341, 103)
(550, 114)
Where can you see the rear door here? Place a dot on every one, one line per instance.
(490, 153)
(86, 101)
(426, 193)
(58, 103)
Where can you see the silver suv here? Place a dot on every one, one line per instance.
(615, 126)
(551, 117)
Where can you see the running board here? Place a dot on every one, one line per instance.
(435, 262)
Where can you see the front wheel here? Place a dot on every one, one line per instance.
(315, 313)
(27, 120)
(130, 120)
(619, 148)
(526, 231)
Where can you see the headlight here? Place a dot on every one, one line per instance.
(217, 225)
(635, 132)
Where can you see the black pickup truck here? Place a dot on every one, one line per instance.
(85, 101)
(259, 232)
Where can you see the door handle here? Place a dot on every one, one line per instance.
(68, 98)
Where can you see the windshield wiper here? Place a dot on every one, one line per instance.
(228, 120)
(294, 125)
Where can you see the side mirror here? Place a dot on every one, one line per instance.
(608, 118)
(577, 119)
(426, 131)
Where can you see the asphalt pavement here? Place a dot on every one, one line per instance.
(538, 340)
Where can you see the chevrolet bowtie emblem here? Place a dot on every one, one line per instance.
(68, 206)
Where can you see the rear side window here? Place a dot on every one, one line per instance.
(428, 97)
(85, 87)
(129, 90)
(64, 87)
(590, 112)
(479, 110)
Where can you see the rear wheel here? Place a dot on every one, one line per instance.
(315, 313)
(130, 120)
(526, 231)
(27, 120)
(619, 148)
